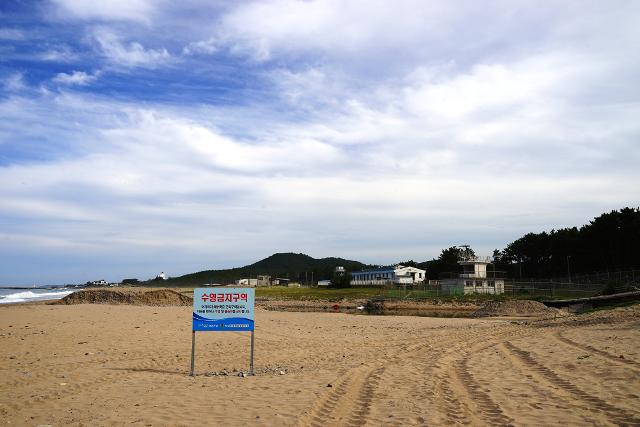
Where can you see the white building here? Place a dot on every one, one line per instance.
(474, 279)
(252, 283)
(395, 275)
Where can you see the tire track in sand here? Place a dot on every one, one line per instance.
(560, 337)
(363, 402)
(451, 406)
(617, 415)
(454, 389)
(446, 385)
(476, 396)
(54, 389)
(459, 395)
(489, 410)
(348, 401)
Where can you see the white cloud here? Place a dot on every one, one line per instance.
(75, 78)
(59, 54)
(131, 54)
(148, 165)
(313, 88)
(187, 141)
(119, 10)
(208, 47)
(11, 34)
(144, 178)
(340, 127)
(262, 27)
(14, 82)
(496, 89)
(369, 31)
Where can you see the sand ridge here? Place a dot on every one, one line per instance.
(132, 296)
(517, 308)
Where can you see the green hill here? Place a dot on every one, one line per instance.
(296, 267)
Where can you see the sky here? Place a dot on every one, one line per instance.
(141, 136)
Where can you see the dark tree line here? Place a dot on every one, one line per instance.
(341, 280)
(447, 261)
(609, 242)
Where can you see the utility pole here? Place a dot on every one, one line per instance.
(520, 265)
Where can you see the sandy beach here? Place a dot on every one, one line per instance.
(98, 364)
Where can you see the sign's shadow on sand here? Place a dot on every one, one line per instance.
(184, 373)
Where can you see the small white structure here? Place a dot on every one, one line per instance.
(161, 276)
(324, 283)
(398, 275)
(252, 283)
(261, 280)
(473, 279)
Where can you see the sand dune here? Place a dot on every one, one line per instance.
(120, 364)
(133, 296)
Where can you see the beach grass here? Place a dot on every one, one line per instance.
(339, 294)
(358, 293)
(324, 294)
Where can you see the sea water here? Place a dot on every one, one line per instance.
(9, 296)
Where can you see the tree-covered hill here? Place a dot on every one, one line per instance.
(296, 267)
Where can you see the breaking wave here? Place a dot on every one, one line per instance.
(25, 296)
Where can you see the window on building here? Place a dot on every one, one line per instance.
(492, 283)
(468, 283)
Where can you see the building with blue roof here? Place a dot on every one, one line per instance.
(392, 275)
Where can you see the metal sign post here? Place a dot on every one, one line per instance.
(222, 309)
(193, 353)
(251, 371)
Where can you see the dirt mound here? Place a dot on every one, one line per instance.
(600, 317)
(157, 297)
(516, 308)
